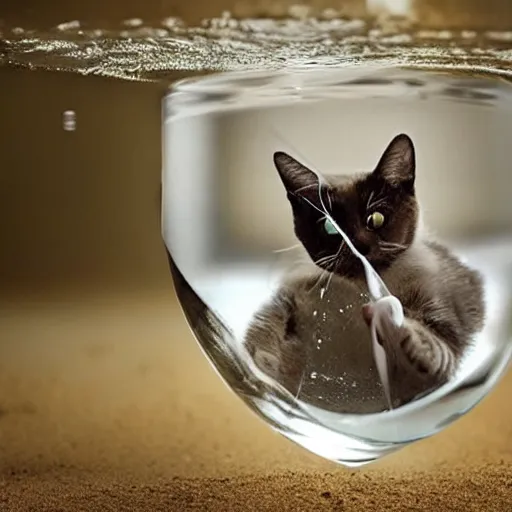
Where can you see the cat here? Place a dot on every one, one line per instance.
(442, 299)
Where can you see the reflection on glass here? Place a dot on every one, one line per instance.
(360, 302)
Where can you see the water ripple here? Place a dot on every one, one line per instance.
(225, 44)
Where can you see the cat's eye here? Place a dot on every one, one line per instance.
(329, 227)
(375, 220)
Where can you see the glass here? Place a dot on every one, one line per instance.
(298, 205)
(227, 219)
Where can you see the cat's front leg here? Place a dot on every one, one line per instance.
(426, 352)
(263, 343)
(273, 343)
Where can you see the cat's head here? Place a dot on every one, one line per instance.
(377, 210)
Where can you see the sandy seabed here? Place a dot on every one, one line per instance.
(108, 404)
(486, 488)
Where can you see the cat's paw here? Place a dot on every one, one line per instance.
(267, 362)
(386, 316)
(417, 353)
(293, 357)
(285, 364)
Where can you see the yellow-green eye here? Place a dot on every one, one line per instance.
(329, 227)
(375, 220)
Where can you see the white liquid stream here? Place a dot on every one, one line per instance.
(383, 300)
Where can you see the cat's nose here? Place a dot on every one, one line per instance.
(361, 244)
(362, 247)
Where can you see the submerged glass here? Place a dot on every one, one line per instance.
(282, 316)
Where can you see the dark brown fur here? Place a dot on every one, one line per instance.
(441, 297)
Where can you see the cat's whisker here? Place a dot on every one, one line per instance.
(391, 247)
(376, 203)
(300, 384)
(333, 265)
(291, 248)
(329, 281)
(305, 187)
(392, 244)
(329, 263)
(326, 265)
(319, 280)
(325, 259)
(372, 193)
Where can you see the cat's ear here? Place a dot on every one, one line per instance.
(397, 165)
(295, 176)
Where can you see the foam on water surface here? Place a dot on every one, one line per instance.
(138, 51)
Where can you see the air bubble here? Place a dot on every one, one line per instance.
(69, 25)
(69, 120)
